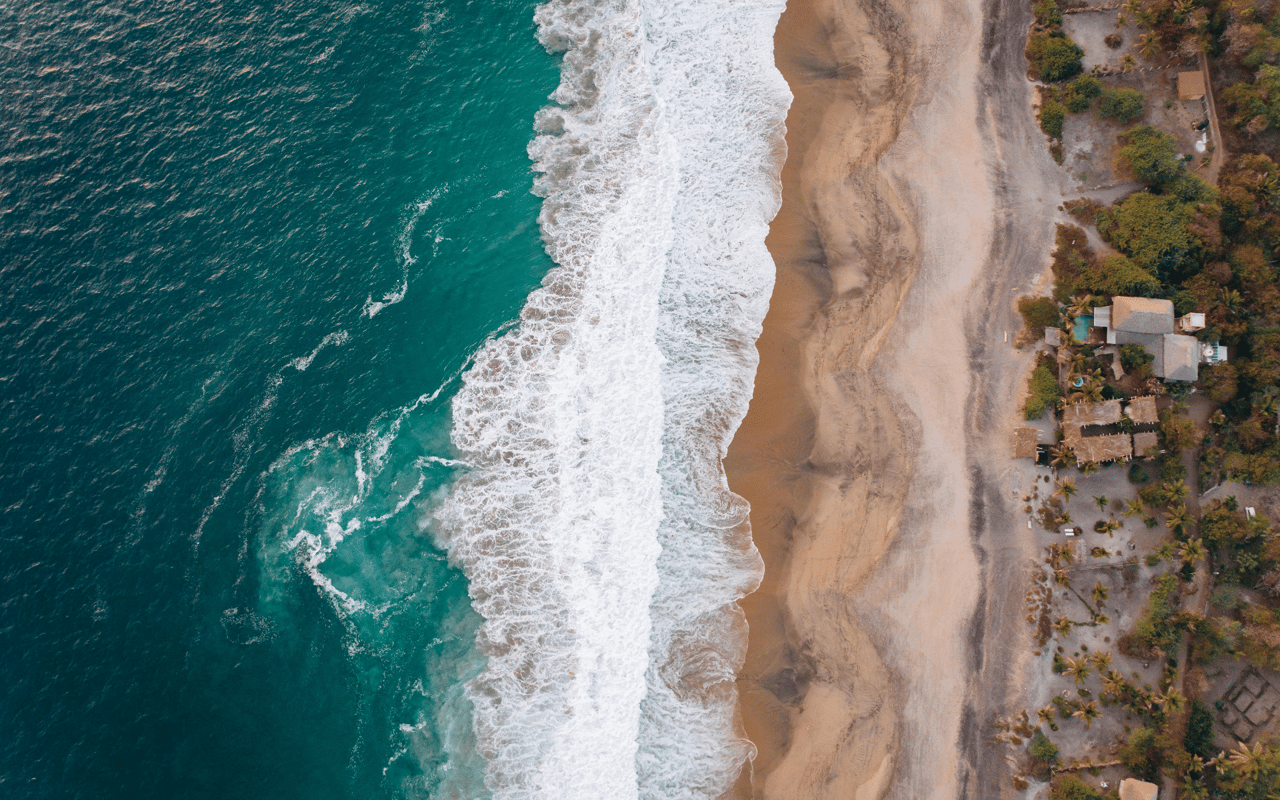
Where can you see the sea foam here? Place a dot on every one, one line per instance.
(602, 546)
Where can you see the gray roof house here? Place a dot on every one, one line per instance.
(1150, 323)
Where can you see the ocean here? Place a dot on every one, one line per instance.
(367, 369)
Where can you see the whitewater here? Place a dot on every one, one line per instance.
(601, 544)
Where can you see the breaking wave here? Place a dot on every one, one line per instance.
(602, 546)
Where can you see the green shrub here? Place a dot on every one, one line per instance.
(1198, 740)
(1081, 92)
(1039, 313)
(1122, 105)
(1044, 392)
(1047, 13)
(1137, 474)
(1069, 787)
(1226, 596)
(1054, 57)
(1041, 749)
(1143, 755)
(1152, 559)
(1052, 116)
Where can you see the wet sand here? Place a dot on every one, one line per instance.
(917, 198)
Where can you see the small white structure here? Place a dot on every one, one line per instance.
(1213, 354)
(1190, 323)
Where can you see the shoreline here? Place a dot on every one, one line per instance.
(886, 631)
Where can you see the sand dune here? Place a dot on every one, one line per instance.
(916, 198)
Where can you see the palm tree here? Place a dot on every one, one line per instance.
(1194, 789)
(1133, 507)
(1148, 45)
(1088, 712)
(1113, 683)
(1080, 305)
(1232, 300)
(1061, 577)
(1047, 714)
(1191, 551)
(1265, 402)
(1066, 488)
(1177, 520)
(1131, 8)
(1077, 668)
(1101, 661)
(1062, 456)
(1165, 551)
(1112, 526)
(1127, 63)
(1088, 468)
(1247, 762)
(1099, 594)
(1062, 625)
(1100, 500)
(1175, 490)
(1172, 701)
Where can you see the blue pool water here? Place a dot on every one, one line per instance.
(1081, 327)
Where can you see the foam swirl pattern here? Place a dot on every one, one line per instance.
(603, 548)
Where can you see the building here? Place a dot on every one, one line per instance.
(1107, 447)
(1026, 443)
(1142, 410)
(1150, 323)
(1115, 447)
(1190, 323)
(1134, 789)
(1191, 85)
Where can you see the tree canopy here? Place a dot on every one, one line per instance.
(1154, 231)
(1257, 104)
(1118, 275)
(1152, 155)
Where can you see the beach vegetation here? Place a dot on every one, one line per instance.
(1047, 13)
(1052, 117)
(1044, 756)
(1072, 257)
(1045, 392)
(1054, 57)
(1122, 105)
(1039, 313)
(1069, 787)
(1079, 94)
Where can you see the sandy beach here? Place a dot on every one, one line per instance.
(918, 203)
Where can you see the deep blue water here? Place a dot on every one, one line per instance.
(194, 198)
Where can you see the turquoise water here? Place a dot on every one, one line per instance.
(238, 244)
(1080, 328)
(320, 478)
